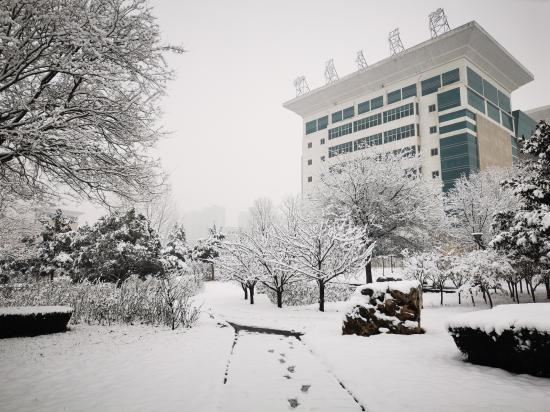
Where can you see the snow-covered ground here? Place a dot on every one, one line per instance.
(116, 368)
(143, 368)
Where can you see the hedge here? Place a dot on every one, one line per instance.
(33, 320)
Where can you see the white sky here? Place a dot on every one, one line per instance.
(232, 141)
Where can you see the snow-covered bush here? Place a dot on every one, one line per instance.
(512, 337)
(153, 301)
(33, 320)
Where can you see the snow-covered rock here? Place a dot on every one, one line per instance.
(385, 307)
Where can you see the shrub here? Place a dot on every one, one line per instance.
(154, 301)
(511, 337)
(33, 320)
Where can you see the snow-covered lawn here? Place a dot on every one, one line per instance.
(115, 368)
(127, 368)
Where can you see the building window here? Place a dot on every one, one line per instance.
(349, 112)
(493, 112)
(433, 129)
(431, 108)
(490, 92)
(504, 102)
(337, 116)
(311, 127)
(434, 151)
(377, 102)
(399, 133)
(430, 85)
(450, 77)
(475, 81)
(309, 145)
(310, 179)
(323, 140)
(398, 112)
(322, 123)
(340, 149)
(455, 115)
(448, 99)
(394, 96)
(363, 107)
(364, 142)
(339, 131)
(435, 174)
(322, 158)
(408, 91)
(309, 162)
(507, 121)
(367, 122)
(476, 101)
(457, 126)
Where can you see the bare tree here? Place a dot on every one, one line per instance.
(80, 82)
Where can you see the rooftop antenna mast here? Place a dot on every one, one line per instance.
(360, 60)
(330, 72)
(438, 23)
(301, 85)
(396, 45)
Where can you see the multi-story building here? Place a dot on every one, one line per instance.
(448, 99)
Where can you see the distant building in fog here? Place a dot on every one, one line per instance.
(197, 222)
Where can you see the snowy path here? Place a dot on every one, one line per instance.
(275, 373)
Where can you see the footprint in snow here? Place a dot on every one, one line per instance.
(282, 354)
(287, 376)
(271, 350)
(293, 402)
(291, 368)
(281, 360)
(305, 388)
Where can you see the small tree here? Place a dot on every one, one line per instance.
(55, 247)
(524, 234)
(324, 248)
(176, 252)
(207, 250)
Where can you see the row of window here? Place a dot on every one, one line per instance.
(339, 131)
(487, 90)
(399, 133)
(433, 84)
(371, 104)
(486, 107)
(398, 112)
(401, 94)
(343, 114)
(367, 122)
(317, 124)
(457, 126)
(455, 115)
(448, 100)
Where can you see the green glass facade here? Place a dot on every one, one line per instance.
(448, 100)
(459, 156)
(524, 124)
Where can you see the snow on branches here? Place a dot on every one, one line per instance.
(80, 83)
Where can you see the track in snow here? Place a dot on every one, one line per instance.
(276, 372)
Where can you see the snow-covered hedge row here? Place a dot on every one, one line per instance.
(307, 293)
(512, 337)
(33, 320)
(152, 301)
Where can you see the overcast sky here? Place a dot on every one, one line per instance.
(232, 141)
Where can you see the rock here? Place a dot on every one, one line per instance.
(386, 307)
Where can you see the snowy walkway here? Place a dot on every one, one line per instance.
(272, 373)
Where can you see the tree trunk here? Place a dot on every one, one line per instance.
(251, 290)
(459, 299)
(212, 271)
(520, 286)
(532, 291)
(245, 289)
(279, 298)
(321, 296)
(490, 299)
(472, 296)
(547, 286)
(368, 273)
(516, 290)
(441, 292)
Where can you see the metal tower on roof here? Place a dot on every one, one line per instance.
(396, 45)
(301, 85)
(360, 60)
(438, 23)
(330, 72)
